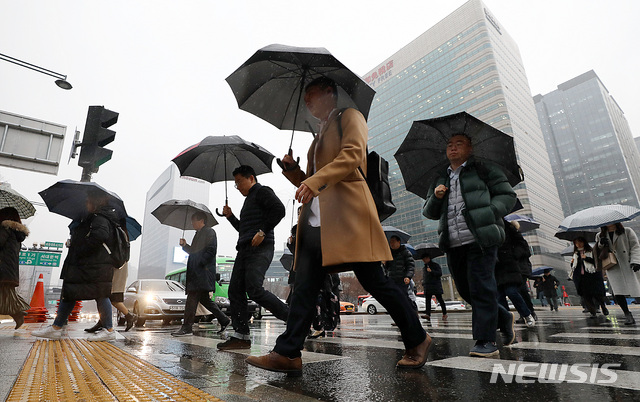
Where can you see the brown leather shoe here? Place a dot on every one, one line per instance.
(415, 358)
(234, 343)
(276, 362)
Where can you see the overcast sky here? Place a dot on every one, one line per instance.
(162, 65)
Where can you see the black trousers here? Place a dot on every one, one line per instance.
(202, 297)
(247, 279)
(473, 270)
(427, 302)
(524, 292)
(310, 276)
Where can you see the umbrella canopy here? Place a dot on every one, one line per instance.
(540, 271)
(287, 260)
(411, 249)
(526, 223)
(595, 217)
(574, 234)
(422, 156)
(428, 250)
(270, 84)
(392, 231)
(134, 229)
(177, 214)
(11, 198)
(69, 198)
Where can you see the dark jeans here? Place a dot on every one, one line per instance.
(202, 297)
(65, 308)
(524, 292)
(310, 276)
(473, 272)
(247, 280)
(513, 293)
(427, 302)
(552, 298)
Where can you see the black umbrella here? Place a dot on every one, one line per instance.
(393, 231)
(177, 214)
(270, 84)
(423, 153)
(571, 235)
(214, 158)
(428, 250)
(69, 198)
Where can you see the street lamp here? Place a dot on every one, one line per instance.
(61, 79)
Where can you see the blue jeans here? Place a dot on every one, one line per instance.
(104, 309)
(513, 293)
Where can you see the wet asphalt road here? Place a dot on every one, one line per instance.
(357, 361)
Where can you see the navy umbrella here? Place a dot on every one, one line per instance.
(526, 223)
(540, 271)
(69, 198)
(393, 231)
(134, 229)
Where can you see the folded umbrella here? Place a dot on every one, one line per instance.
(177, 214)
(287, 260)
(270, 84)
(526, 223)
(69, 198)
(422, 156)
(428, 250)
(595, 217)
(11, 198)
(392, 231)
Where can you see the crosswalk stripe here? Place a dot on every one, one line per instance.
(606, 328)
(579, 348)
(597, 336)
(625, 379)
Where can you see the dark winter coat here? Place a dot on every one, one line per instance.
(12, 234)
(548, 284)
(402, 266)
(201, 266)
(87, 272)
(511, 257)
(431, 280)
(488, 197)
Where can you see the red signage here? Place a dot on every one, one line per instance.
(382, 74)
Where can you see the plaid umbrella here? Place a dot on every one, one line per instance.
(11, 198)
(595, 217)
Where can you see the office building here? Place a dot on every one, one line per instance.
(466, 62)
(159, 251)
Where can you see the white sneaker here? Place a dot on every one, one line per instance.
(102, 335)
(48, 332)
(529, 321)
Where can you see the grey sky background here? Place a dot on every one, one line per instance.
(162, 66)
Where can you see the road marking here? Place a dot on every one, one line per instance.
(607, 328)
(597, 336)
(580, 348)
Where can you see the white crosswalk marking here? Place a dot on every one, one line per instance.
(596, 336)
(579, 348)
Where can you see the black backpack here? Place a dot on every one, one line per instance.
(377, 179)
(121, 250)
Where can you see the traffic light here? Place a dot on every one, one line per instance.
(96, 136)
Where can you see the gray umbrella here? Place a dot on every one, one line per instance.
(526, 223)
(428, 250)
(393, 231)
(422, 156)
(177, 213)
(11, 198)
(595, 217)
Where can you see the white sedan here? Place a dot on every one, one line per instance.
(451, 305)
(372, 306)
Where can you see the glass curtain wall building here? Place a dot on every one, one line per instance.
(466, 62)
(593, 154)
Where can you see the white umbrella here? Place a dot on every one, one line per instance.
(596, 217)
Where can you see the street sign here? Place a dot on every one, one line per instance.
(40, 258)
(54, 245)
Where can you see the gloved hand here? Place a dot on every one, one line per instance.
(635, 267)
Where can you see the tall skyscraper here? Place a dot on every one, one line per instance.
(159, 251)
(593, 155)
(466, 62)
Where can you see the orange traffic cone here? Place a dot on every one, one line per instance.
(37, 312)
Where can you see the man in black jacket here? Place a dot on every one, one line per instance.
(400, 270)
(201, 274)
(261, 212)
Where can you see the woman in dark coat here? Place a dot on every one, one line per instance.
(12, 234)
(87, 271)
(431, 273)
(588, 280)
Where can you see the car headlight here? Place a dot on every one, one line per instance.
(150, 298)
(221, 300)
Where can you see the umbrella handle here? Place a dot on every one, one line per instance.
(218, 213)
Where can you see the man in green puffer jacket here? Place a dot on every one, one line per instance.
(469, 199)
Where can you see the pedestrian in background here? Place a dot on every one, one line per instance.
(432, 285)
(469, 198)
(549, 285)
(12, 234)
(201, 275)
(401, 268)
(624, 277)
(261, 212)
(508, 274)
(587, 278)
(87, 271)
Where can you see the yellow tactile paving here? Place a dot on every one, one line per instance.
(77, 370)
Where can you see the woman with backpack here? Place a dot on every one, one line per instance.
(87, 271)
(12, 234)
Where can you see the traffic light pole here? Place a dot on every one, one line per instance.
(86, 174)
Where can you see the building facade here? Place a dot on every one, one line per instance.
(466, 62)
(160, 252)
(593, 155)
